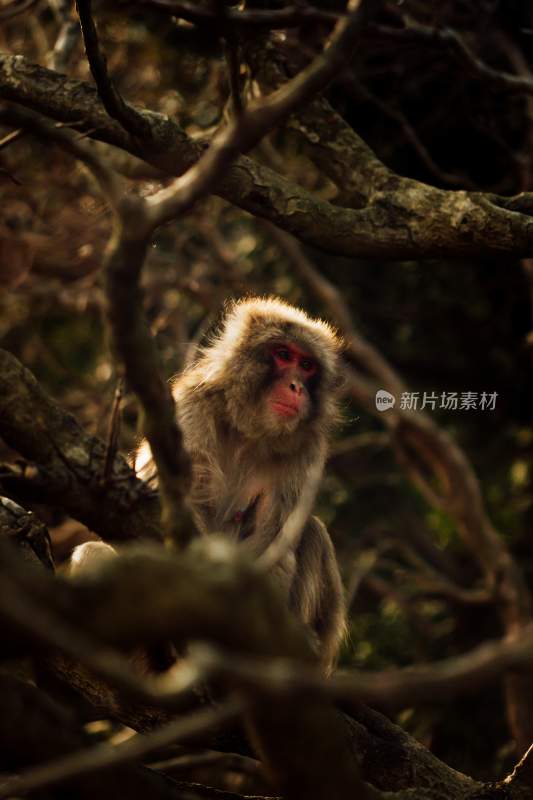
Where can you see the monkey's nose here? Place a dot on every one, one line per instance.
(295, 387)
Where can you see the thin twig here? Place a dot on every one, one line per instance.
(113, 431)
(13, 136)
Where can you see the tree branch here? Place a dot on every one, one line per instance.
(89, 760)
(406, 219)
(213, 579)
(247, 129)
(131, 120)
(71, 463)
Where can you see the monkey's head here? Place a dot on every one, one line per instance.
(277, 370)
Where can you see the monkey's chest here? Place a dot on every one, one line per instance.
(238, 509)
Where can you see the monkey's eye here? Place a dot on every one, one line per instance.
(308, 365)
(283, 354)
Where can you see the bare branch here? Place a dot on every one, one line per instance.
(330, 142)
(113, 431)
(131, 120)
(393, 688)
(482, 224)
(110, 183)
(522, 774)
(138, 352)
(245, 131)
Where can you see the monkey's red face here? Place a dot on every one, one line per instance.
(293, 369)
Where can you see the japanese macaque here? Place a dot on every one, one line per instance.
(256, 409)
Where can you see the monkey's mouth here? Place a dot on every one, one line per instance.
(285, 409)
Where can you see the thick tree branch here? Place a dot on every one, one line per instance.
(137, 350)
(331, 143)
(135, 221)
(70, 464)
(388, 757)
(176, 610)
(246, 130)
(406, 219)
(437, 682)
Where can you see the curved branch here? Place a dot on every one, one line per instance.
(132, 120)
(405, 219)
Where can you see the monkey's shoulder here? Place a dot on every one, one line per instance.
(316, 539)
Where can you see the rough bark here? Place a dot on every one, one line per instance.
(69, 464)
(405, 219)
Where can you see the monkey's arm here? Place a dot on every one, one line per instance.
(317, 594)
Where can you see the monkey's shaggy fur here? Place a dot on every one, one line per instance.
(250, 465)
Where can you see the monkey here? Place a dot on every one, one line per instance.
(256, 409)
